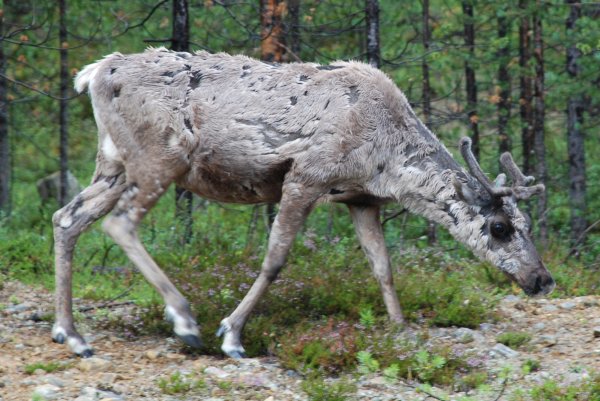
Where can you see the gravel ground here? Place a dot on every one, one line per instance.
(565, 340)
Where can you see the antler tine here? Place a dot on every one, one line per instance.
(477, 172)
(514, 171)
(520, 181)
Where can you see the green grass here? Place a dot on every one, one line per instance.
(319, 390)
(47, 367)
(178, 383)
(550, 390)
(513, 339)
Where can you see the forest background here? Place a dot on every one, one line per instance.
(520, 76)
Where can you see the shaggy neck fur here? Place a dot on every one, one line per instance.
(423, 182)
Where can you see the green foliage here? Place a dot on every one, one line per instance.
(366, 362)
(514, 339)
(177, 383)
(47, 367)
(318, 389)
(367, 318)
(427, 365)
(530, 365)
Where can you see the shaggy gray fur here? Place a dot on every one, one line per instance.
(234, 129)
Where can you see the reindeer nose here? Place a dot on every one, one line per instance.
(544, 283)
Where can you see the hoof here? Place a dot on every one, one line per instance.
(87, 353)
(191, 340)
(236, 354)
(59, 338)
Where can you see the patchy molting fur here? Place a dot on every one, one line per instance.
(235, 129)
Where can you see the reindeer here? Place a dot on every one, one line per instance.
(234, 129)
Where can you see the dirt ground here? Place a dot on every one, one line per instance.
(565, 340)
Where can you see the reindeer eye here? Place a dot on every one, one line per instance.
(500, 230)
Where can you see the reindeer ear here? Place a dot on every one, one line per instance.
(465, 192)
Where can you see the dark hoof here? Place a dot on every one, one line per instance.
(222, 330)
(60, 339)
(236, 354)
(88, 353)
(191, 340)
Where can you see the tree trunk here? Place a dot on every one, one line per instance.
(4, 141)
(65, 82)
(525, 101)
(272, 49)
(538, 121)
(471, 83)
(504, 88)
(293, 31)
(180, 42)
(272, 45)
(372, 19)
(431, 227)
(575, 136)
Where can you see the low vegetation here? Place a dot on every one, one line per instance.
(323, 316)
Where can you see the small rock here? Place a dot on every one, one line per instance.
(511, 298)
(596, 331)
(463, 335)
(46, 392)
(174, 356)
(199, 365)
(230, 368)
(568, 305)
(546, 340)
(93, 364)
(18, 308)
(486, 326)
(292, 373)
(54, 381)
(503, 351)
(256, 380)
(108, 378)
(549, 308)
(214, 371)
(270, 398)
(152, 354)
(39, 372)
(539, 326)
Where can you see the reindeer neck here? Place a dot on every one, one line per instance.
(421, 179)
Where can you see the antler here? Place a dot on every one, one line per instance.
(495, 190)
(520, 181)
(519, 189)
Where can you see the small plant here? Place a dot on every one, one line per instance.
(319, 390)
(427, 364)
(514, 339)
(46, 367)
(13, 299)
(180, 384)
(473, 380)
(366, 362)
(530, 365)
(225, 385)
(391, 372)
(367, 318)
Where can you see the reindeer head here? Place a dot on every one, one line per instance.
(504, 236)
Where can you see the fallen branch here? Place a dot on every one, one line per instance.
(573, 249)
(110, 303)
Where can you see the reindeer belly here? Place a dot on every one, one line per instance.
(236, 179)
